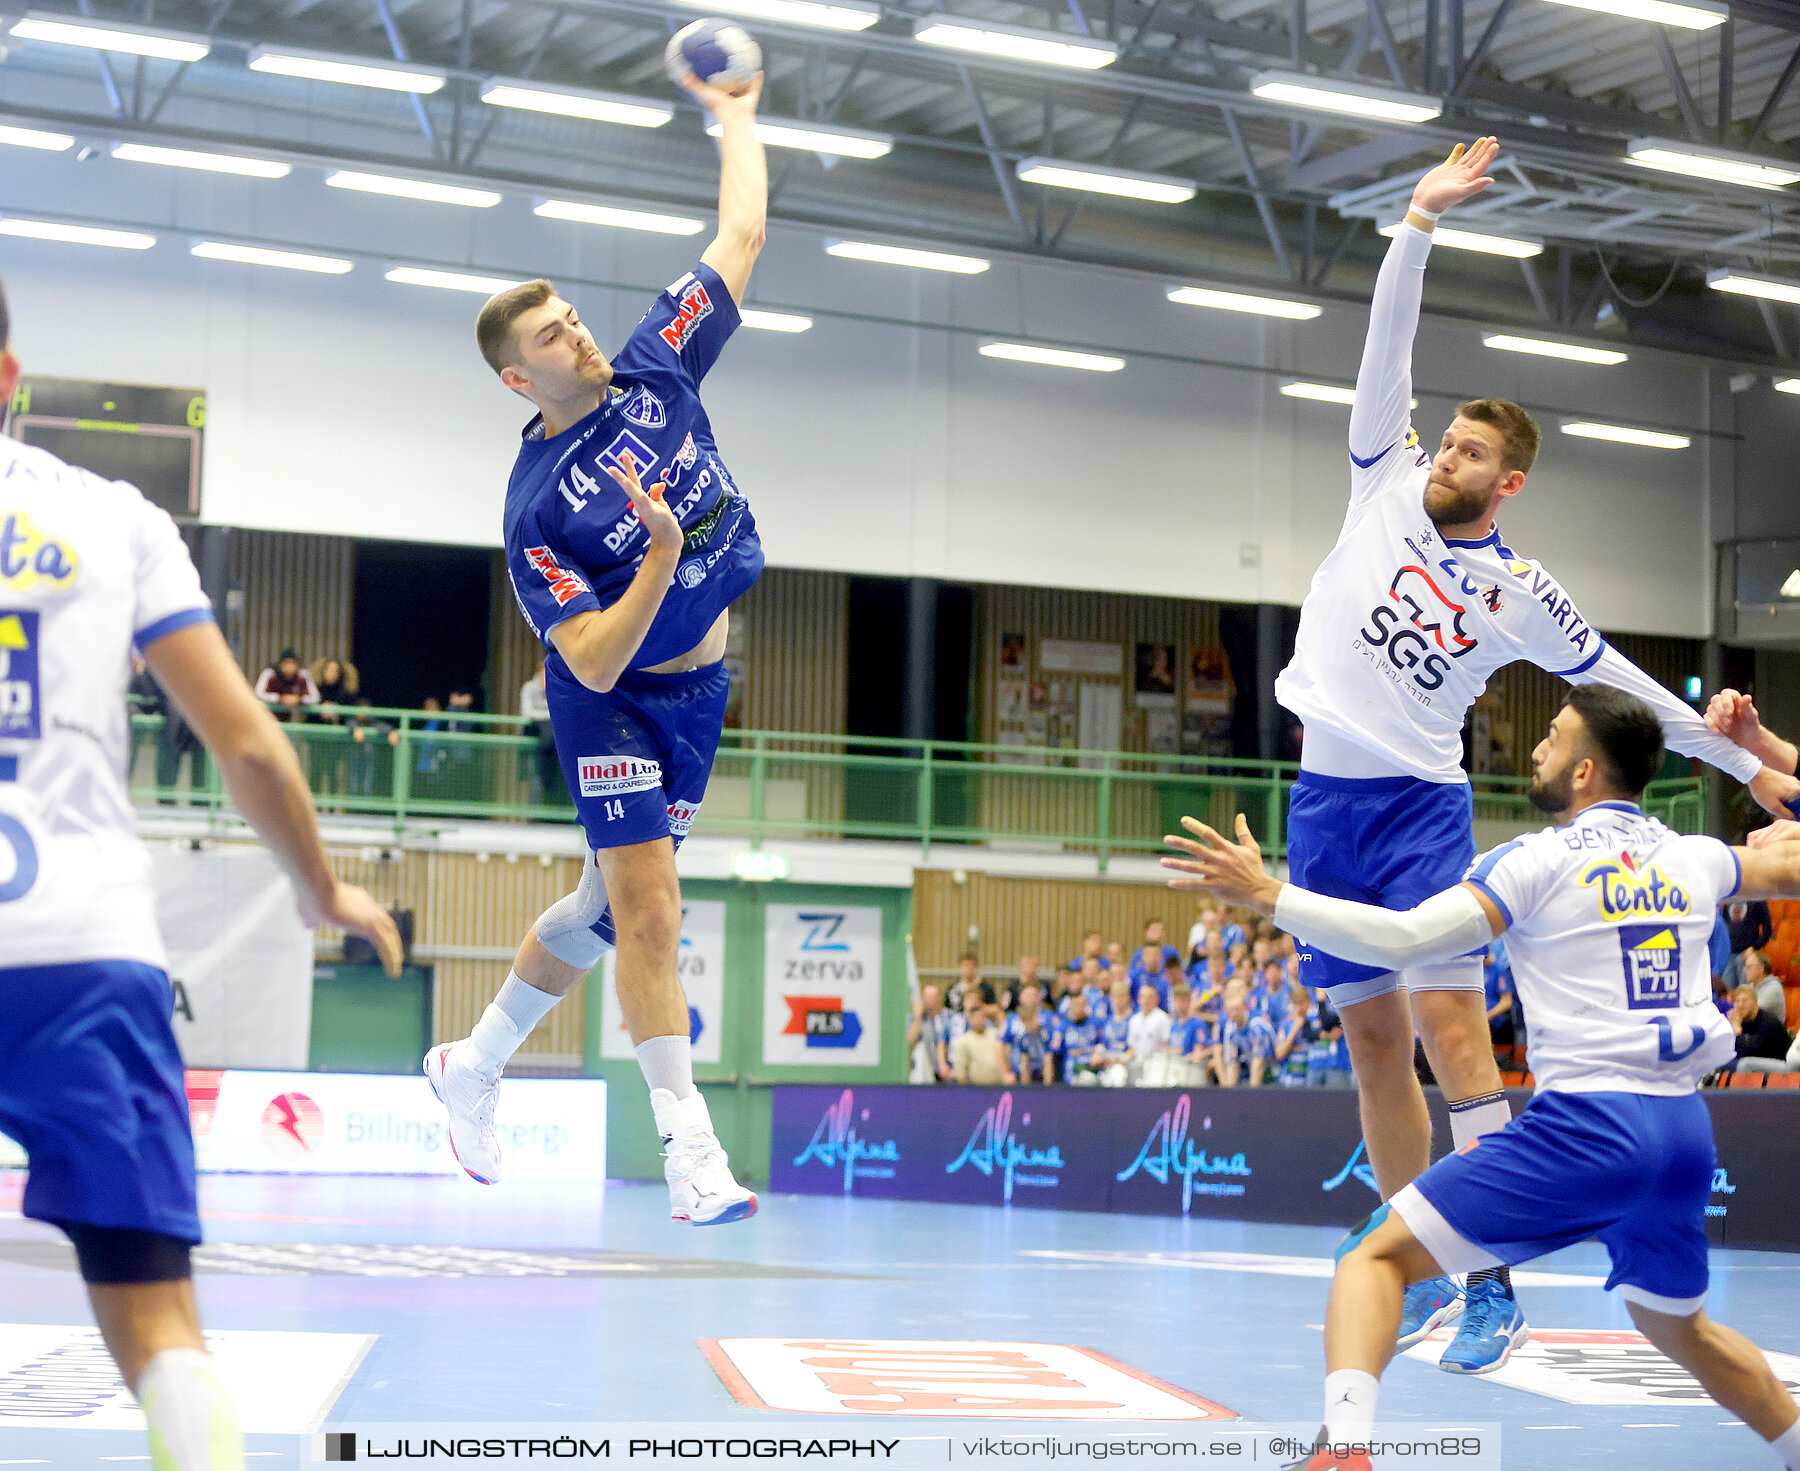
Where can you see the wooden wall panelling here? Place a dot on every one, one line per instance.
(298, 593)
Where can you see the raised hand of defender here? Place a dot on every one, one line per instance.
(1231, 871)
(665, 531)
(1461, 176)
(720, 102)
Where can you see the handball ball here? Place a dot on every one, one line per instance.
(715, 51)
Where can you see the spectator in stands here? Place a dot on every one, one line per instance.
(1061, 989)
(977, 1057)
(1246, 1042)
(1029, 969)
(1030, 1036)
(969, 999)
(1789, 1064)
(1115, 957)
(1152, 958)
(1210, 977)
(338, 685)
(1759, 1034)
(1200, 932)
(1231, 933)
(547, 786)
(1502, 1001)
(1173, 975)
(1237, 964)
(1148, 1032)
(1718, 946)
(1295, 1032)
(1076, 1039)
(925, 1037)
(1093, 984)
(1093, 947)
(367, 735)
(968, 975)
(1749, 926)
(1191, 1038)
(1269, 998)
(1771, 996)
(175, 738)
(1114, 1050)
(286, 687)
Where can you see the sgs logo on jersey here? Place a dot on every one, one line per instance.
(1418, 631)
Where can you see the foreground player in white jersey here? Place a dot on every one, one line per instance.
(90, 1077)
(1417, 606)
(1606, 918)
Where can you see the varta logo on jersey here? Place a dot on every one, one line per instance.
(692, 305)
(28, 557)
(564, 584)
(1556, 601)
(1627, 891)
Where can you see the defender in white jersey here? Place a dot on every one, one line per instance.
(1419, 604)
(91, 1080)
(1606, 918)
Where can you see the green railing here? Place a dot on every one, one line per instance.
(412, 767)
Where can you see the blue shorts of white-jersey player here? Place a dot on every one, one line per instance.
(626, 541)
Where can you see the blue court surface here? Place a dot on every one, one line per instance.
(356, 1303)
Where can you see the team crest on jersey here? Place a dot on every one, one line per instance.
(29, 558)
(1652, 954)
(564, 584)
(19, 684)
(692, 306)
(1492, 599)
(645, 408)
(1627, 889)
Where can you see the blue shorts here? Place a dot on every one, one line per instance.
(91, 1086)
(1633, 1169)
(1391, 841)
(637, 758)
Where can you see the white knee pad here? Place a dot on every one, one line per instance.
(566, 930)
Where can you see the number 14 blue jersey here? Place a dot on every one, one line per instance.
(573, 543)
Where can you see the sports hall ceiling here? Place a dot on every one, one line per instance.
(1288, 197)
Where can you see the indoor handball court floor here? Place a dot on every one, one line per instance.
(436, 1300)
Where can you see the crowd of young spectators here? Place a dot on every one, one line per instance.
(1749, 993)
(1228, 1010)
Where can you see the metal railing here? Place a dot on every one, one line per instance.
(415, 767)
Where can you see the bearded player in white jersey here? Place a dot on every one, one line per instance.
(90, 1075)
(1417, 606)
(1607, 916)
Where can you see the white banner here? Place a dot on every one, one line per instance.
(240, 960)
(358, 1124)
(702, 963)
(822, 985)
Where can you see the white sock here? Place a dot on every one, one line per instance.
(668, 1062)
(1472, 1117)
(1350, 1397)
(191, 1422)
(508, 1021)
(1787, 1446)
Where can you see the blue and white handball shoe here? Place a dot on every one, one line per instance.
(1429, 1306)
(1492, 1327)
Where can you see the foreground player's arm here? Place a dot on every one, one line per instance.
(1382, 413)
(598, 646)
(743, 182)
(1687, 733)
(1446, 925)
(259, 768)
(1771, 872)
(1734, 716)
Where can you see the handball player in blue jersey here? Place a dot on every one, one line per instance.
(626, 540)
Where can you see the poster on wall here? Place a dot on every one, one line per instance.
(701, 965)
(1208, 695)
(822, 985)
(240, 961)
(1154, 684)
(1073, 656)
(1012, 654)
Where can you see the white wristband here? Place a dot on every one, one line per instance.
(1424, 214)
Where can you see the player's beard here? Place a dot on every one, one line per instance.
(1552, 795)
(1454, 505)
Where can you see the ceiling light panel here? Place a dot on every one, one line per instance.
(1238, 301)
(320, 66)
(1094, 179)
(114, 36)
(1015, 43)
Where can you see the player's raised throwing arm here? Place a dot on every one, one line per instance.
(743, 182)
(1383, 409)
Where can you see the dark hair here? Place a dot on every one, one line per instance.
(5, 321)
(494, 326)
(1625, 733)
(1519, 437)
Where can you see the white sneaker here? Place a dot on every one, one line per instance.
(702, 1189)
(470, 1095)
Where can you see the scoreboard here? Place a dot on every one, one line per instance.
(150, 437)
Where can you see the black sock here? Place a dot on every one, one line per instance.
(1502, 1275)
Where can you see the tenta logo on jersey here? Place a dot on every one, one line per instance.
(692, 306)
(564, 584)
(613, 776)
(19, 685)
(1627, 889)
(28, 557)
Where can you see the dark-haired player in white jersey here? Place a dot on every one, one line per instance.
(627, 588)
(91, 1080)
(1606, 917)
(1417, 606)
